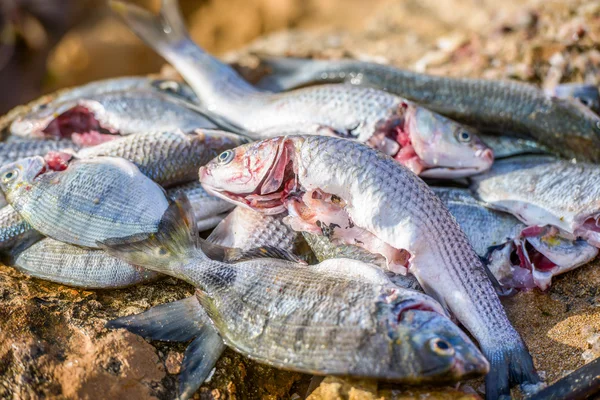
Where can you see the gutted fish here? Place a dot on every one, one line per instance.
(427, 143)
(353, 194)
(563, 125)
(89, 201)
(339, 317)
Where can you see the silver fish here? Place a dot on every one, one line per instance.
(340, 317)
(563, 125)
(98, 117)
(15, 231)
(91, 200)
(70, 265)
(168, 158)
(545, 191)
(350, 192)
(424, 141)
(509, 146)
(518, 256)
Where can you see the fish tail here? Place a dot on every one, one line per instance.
(509, 367)
(161, 32)
(173, 244)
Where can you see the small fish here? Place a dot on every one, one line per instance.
(517, 255)
(75, 266)
(542, 191)
(90, 200)
(562, 125)
(339, 317)
(347, 191)
(427, 143)
(586, 94)
(100, 117)
(209, 210)
(168, 158)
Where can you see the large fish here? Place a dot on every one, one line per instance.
(518, 256)
(349, 192)
(544, 191)
(427, 143)
(563, 125)
(168, 157)
(89, 201)
(339, 317)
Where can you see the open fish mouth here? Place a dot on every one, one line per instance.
(80, 123)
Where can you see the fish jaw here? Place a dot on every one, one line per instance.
(445, 149)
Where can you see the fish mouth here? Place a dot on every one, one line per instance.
(270, 194)
(79, 123)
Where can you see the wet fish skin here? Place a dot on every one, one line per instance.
(168, 158)
(75, 266)
(123, 113)
(545, 191)
(15, 150)
(14, 231)
(510, 146)
(91, 200)
(209, 210)
(288, 316)
(434, 144)
(564, 126)
(373, 185)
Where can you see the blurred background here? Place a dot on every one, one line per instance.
(49, 44)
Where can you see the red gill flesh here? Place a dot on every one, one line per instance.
(407, 155)
(57, 160)
(76, 120)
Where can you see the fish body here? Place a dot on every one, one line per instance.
(510, 146)
(91, 200)
(388, 208)
(70, 265)
(168, 158)
(563, 125)
(543, 191)
(14, 230)
(586, 94)
(340, 317)
(426, 142)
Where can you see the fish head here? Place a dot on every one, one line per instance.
(19, 175)
(446, 149)
(437, 348)
(253, 175)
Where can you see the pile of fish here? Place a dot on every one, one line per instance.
(329, 253)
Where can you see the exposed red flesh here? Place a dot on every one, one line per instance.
(57, 160)
(80, 125)
(92, 138)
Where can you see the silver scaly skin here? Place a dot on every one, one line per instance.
(15, 150)
(91, 200)
(340, 317)
(168, 158)
(386, 200)
(14, 230)
(75, 266)
(425, 141)
(563, 125)
(545, 191)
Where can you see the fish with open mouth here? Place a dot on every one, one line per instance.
(428, 143)
(518, 256)
(99, 117)
(84, 201)
(353, 194)
(338, 317)
(543, 191)
(563, 125)
(168, 157)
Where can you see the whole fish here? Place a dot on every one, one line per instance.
(178, 90)
(91, 200)
(545, 191)
(209, 210)
(339, 317)
(517, 256)
(429, 144)
(347, 191)
(70, 265)
(100, 117)
(563, 125)
(586, 94)
(168, 158)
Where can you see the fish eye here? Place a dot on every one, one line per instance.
(585, 102)
(225, 157)
(11, 175)
(464, 136)
(441, 347)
